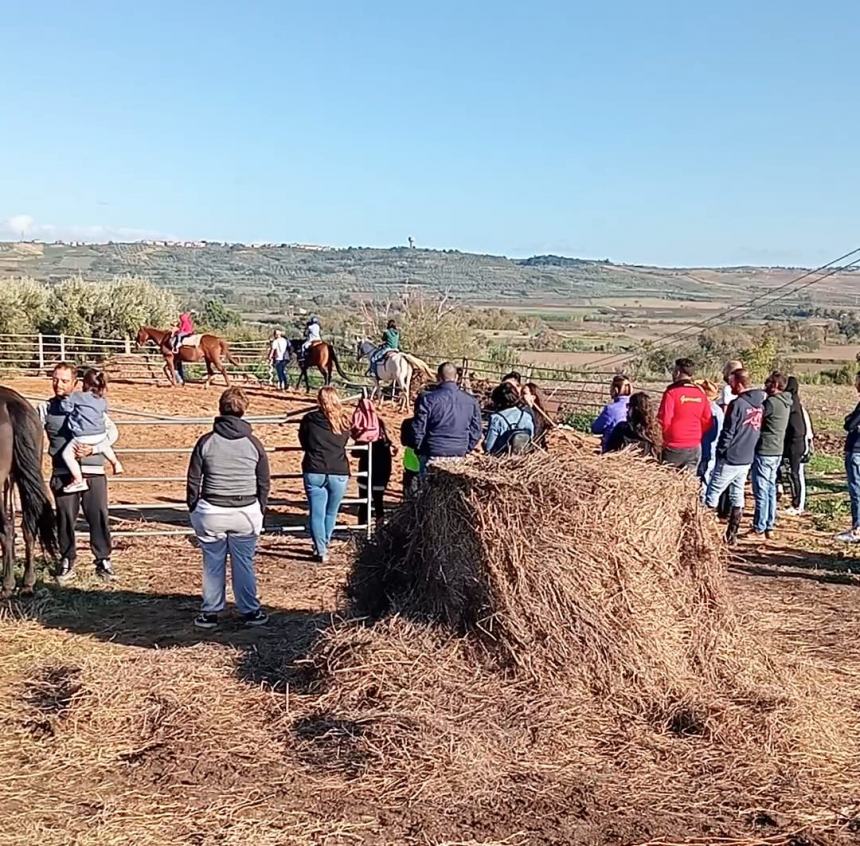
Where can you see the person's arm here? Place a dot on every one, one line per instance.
(419, 422)
(303, 433)
(852, 421)
(615, 443)
(264, 479)
(666, 411)
(730, 427)
(601, 422)
(110, 438)
(475, 426)
(194, 477)
(494, 429)
(42, 411)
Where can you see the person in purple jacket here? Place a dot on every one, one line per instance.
(614, 412)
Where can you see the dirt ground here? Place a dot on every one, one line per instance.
(81, 775)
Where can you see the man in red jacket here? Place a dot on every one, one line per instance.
(685, 417)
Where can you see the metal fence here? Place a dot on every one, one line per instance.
(568, 389)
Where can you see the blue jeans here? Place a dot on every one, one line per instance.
(852, 471)
(764, 472)
(324, 495)
(281, 370)
(724, 477)
(241, 549)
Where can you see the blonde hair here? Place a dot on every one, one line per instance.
(332, 408)
(620, 387)
(710, 389)
(730, 368)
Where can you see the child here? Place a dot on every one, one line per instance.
(411, 464)
(86, 419)
(184, 328)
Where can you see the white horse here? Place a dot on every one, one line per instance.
(396, 369)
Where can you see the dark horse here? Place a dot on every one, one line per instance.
(21, 447)
(320, 355)
(211, 349)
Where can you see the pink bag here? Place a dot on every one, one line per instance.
(365, 423)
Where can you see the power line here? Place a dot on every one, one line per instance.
(744, 307)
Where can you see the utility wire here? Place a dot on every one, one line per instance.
(744, 307)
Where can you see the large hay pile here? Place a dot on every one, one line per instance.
(562, 656)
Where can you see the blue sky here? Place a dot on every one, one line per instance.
(670, 133)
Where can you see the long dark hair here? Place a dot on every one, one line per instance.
(643, 420)
(95, 382)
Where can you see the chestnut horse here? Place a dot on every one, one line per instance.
(21, 446)
(320, 355)
(211, 349)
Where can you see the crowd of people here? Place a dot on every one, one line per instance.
(724, 435)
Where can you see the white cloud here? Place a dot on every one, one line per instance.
(26, 226)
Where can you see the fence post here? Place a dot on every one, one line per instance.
(62, 347)
(41, 352)
(464, 373)
(127, 345)
(369, 504)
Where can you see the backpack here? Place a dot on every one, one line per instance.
(514, 441)
(365, 423)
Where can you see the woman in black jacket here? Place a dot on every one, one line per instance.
(323, 435)
(798, 441)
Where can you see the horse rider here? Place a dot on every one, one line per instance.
(184, 328)
(390, 343)
(313, 335)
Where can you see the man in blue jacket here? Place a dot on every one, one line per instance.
(447, 422)
(736, 449)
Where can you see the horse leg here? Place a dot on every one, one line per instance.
(8, 545)
(216, 360)
(209, 373)
(29, 564)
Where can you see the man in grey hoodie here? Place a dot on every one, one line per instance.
(777, 408)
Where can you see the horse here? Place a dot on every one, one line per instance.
(321, 355)
(210, 349)
(397, 368)
(21, 448)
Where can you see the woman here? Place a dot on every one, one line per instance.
(511, 428)
(184, 328)
(380, 475)
(535, 403)
(798, 448)
(227, 491)
(641, 430)
(710, 438)
(614, 412)
(323, 434)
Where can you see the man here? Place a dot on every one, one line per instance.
(279, 356)
(771, 445)
(685, 417)
(447, 422)
(726, 395)
(94, 500)
(736, 447)
(852, 469)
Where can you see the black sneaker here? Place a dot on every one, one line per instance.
(256, 618)
(104, 570)
(206, 621)
(66, 572)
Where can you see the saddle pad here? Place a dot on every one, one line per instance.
(191, 341)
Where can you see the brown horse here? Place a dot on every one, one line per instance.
(320, 355)
(211, 349)
(21, 446)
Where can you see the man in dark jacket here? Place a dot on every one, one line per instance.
(685, 417)
(777, 408)
(736, 449)
(447, 422)
(93, 502)
(852, 469)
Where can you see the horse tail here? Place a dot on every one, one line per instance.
(37, 511)
(225, 351)
(418, 364)
(337, 363)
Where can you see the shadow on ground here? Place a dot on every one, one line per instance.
(786, 562)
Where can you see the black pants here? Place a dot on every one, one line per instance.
(377, 499)
(94, 503)
(793, 461)
(683, 459)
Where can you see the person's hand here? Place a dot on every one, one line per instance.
(394, 449)
(83, 450)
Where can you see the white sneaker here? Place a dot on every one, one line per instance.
(76, 487)
(849, 537)
(791, 512)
